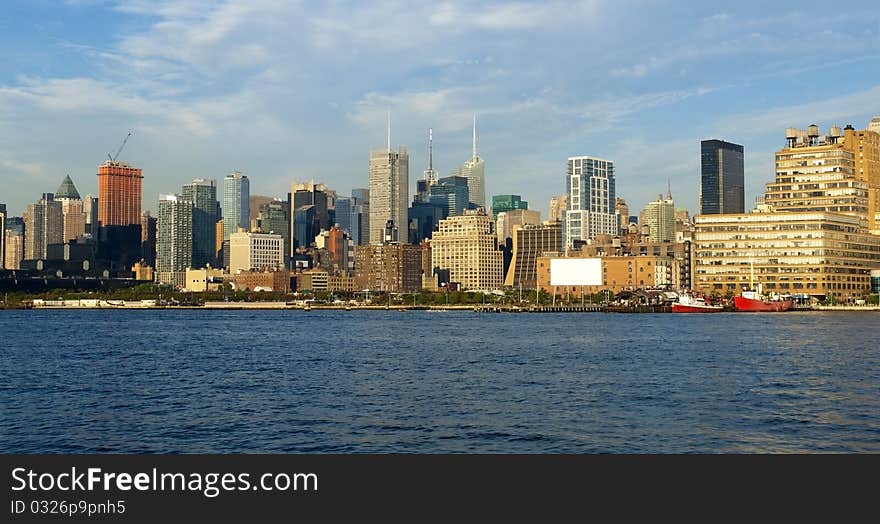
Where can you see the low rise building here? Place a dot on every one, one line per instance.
(277, 281)
(814, 253)
(205, 279)
(618, 273)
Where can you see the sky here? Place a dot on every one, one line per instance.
(298, 90)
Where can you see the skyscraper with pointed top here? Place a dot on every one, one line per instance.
(389, 188)
(474, 171)
(74, 219)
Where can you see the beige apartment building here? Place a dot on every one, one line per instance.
(467, 246)
(814, 253)
(249, 251)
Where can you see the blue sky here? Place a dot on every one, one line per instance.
(299, 90)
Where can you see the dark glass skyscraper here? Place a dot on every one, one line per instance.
(722, 181)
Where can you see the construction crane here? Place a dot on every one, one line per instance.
(119, 149)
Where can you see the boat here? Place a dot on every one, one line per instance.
(691, 304)
(754, 300)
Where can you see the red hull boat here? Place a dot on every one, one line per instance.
(690, 304)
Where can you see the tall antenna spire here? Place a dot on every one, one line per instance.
(389, 130)
(668, 189)
(430, 149)
(430, 174)
(475, 138)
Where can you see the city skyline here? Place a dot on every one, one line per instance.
(209, 90)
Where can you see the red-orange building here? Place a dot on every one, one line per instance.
(119, 194)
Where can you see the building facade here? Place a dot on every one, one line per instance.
(72, 212)
(838, 172)
(174, 239)
(591, 194)
(206, 211)
(467, 247)
(260, 251)
(619, 273)
(120, 189)
(451, 194)
(395, 268)
(44, 226)
(558, 206)
(722, 177)
(502, 203)
(815, 253)
(659, 216)
(236, 203)
(529, 243)
(389, 191)
(506, 221)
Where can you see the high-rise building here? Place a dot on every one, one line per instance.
(249, 251)
(529, 243)
(174, 238)
(273, 219)
(874, 125)
(423, 220)
(206, 211)
(501, 203)
(467, 247)
(14, 240)
(451, 194)
(389, 189)
(589, 184)
(395, 268)
(474, 170)
(660, 219)
(90, 212)
(236, 203)
(119, 194)
(71, 210)
(360, 216)
(44, 226)
(14, 246)
(558, 206)
(506, 221)
(722, 179)
(343, 213)
(149, 225)
(622, 210)
(317, 197)
(838, 172)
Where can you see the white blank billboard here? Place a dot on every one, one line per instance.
(575, 272)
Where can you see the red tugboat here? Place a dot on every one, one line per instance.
(691, 304)
(756, 301)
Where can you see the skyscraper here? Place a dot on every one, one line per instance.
(360, 216)
(660, 219)
(174, 237)
(451, 194)
(722, 180)
(148, 239)
(44, 225)
(71, 210)
(273, 219)
(474, 171)
(206, 211)
(591, 199)
(119, 194)
(119, 213)
(90, 212)
(236, 203)
(389, 189)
